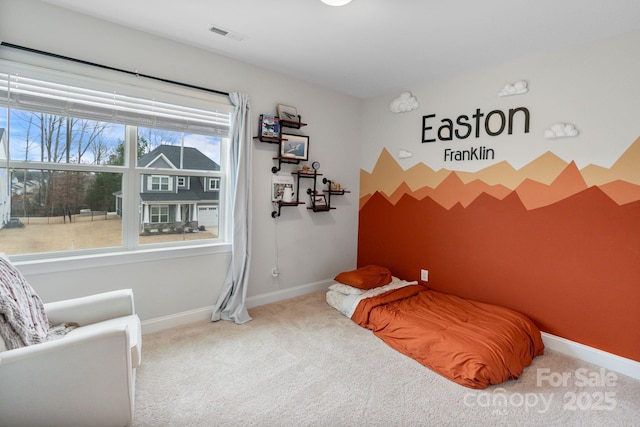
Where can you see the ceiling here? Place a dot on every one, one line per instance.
(370, 47)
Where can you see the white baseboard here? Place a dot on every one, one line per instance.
(178, 319)
(283, 294)
(610, 361)
(204, 313)
(628, 367)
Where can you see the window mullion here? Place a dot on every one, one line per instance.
(130, 181)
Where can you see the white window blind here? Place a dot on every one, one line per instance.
(48, 91)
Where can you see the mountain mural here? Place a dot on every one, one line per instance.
(573, 267)
(546, 180)
(555, 242)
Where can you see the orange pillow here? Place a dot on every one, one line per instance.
(368, 277)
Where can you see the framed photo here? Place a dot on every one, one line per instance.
(287, 112)
(269, 126)
(278, 185)
(318, 201)
(294, 147)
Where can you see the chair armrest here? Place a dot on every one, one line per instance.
(83, 380)
(91, 309)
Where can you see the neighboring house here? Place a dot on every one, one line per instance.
(19, 188)
(5, 195)
(177, 201)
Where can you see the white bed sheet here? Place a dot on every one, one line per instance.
(346, 304)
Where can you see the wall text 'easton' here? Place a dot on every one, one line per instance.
(495, 122)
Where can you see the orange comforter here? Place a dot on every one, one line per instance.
(469, 342)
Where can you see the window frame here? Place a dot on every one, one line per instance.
(132, 176)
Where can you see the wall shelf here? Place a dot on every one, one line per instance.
(283, 123)
(282, 160)
(320, 208)
(292, 123)
(269, 139)
(281, 204)
(300, 174)
(337, 192)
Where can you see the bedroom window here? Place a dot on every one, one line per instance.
(88, 166)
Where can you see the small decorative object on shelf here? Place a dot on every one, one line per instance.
(288, 113)
(283, 193)
(319, 202)
(294, 147)
(269, 126)
(304, 168)
(289, 117)
(335, 188)
(279, 184)
(315, 165)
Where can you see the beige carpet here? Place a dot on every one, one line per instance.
(301, 363)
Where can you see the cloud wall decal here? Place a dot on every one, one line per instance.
(517, 88)
(561, 130)
(404, 103)
(404, 154)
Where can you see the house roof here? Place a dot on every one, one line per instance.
(168, 156)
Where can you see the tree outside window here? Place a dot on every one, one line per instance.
(62, 174)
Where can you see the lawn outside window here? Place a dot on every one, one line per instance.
(90, 166)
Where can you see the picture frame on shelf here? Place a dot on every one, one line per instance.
(288, 113)
(294, 147)
(318, 201)
(278, 185)
(269, 126)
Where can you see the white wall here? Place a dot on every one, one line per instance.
(311, 248)
(593, 86)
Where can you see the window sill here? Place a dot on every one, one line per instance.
(52, 265)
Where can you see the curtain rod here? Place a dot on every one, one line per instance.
(106, 67)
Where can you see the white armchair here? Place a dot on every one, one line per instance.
(86, 378)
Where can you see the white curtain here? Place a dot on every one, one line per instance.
(231, 303)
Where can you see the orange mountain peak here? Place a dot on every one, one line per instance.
(626, 168)
(544, 181)
(535, 194)
(400, 191)
(621, 192)
(385, 177)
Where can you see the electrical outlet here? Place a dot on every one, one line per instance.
(424, 275)
(275, 271)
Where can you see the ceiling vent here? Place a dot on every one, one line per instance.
(226, 33)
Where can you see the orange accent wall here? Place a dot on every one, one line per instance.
(564, 252)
